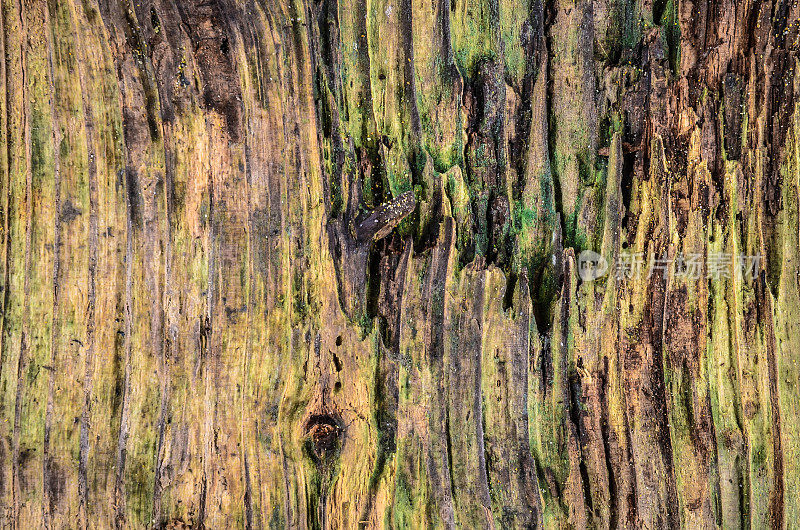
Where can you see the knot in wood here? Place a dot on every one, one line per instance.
(324, 432)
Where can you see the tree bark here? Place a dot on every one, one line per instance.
(316, 264)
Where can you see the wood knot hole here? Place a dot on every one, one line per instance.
(324, 431)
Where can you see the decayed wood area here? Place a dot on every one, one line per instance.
(312, 264)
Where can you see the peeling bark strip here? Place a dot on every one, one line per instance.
(381, 222)
(312, 264)
(49, 480)
(92, 237)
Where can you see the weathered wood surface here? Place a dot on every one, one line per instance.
(311, 263)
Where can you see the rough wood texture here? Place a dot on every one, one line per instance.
(312, 263)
